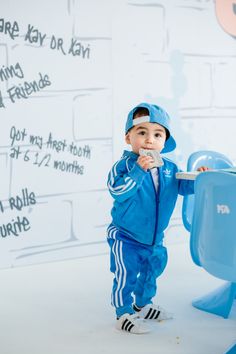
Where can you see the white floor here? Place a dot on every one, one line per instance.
(64, 308)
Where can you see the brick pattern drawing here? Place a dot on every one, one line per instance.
(69, 72)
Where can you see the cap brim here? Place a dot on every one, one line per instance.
(170, 145)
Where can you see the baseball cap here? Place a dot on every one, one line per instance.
(156, 115)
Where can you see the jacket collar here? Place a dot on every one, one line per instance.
(131, 154)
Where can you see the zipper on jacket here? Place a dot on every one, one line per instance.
(157, 196)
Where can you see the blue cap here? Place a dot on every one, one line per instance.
(156, 115)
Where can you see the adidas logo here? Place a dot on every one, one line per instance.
(167, 172)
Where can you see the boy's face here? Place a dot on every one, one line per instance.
(146, 135)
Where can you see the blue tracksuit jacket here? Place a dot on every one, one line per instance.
(139, 212)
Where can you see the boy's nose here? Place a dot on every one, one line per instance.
(149, 139)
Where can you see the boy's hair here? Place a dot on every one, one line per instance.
(142, 111)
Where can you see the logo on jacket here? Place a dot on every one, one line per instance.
(167, 172)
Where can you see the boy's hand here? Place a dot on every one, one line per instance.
(203, 168)
(145, 162)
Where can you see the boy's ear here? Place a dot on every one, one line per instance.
(127, 138)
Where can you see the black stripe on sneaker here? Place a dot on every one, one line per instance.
(126, 328)
(124, 324)
(127, 325)
(153, 315)
(130, 326)
(157, 315)
(148, 314)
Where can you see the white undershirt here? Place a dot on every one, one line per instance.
(154, 173)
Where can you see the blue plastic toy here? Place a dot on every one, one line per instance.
(211, 159)
(213, 237)
(232, 349)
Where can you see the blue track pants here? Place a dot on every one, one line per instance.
(135, 269)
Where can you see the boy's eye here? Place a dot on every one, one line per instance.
(141, 133)
(159, 136)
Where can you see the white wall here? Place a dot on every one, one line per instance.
(175, 53)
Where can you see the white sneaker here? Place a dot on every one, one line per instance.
(132, 323)
(154, 312)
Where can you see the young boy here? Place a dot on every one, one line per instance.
(144, 199)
